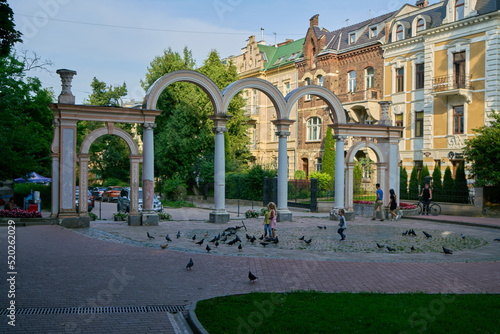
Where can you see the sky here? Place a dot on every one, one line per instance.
(115, 40)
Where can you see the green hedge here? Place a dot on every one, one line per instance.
(248, 185)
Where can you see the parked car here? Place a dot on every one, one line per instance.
(111, 194)
(124, 201)
(97, 192)
(90, 200)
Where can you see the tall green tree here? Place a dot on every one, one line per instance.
(483, 153)
(403, 183)
(25, 121)
(104, 95)
(448, 183)
(437, 186)
(329, 156)
(8, 33)
(423, 174)
(357, 176)
(413, 188)
(461, 191)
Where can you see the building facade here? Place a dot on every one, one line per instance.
(442, 74)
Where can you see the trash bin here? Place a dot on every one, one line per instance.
(33, 208)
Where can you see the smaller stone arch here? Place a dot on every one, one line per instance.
(264, 86)
(109, 130)
(359, 145)
(337, 113)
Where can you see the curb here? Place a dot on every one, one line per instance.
(193, 321)
(454, 222)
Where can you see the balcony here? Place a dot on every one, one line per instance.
(449, 85)
(361, 96)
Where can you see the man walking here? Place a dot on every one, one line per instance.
(379, 203)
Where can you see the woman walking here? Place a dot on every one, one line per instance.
(393, 205)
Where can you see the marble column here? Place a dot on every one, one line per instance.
(55, 156)
(83, 195)
(282, 132)
(219, 215)
(339, 171)
(381, 179)
(67, 171)
(149, 217)
(349, 193)
(133, 217)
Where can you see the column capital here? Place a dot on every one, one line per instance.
(282, 134)
(339, 137)
(220, 120)
(83, 157)
(282, 124)
(149, 126)
(66, 95)
(384, 118)
(219, 129)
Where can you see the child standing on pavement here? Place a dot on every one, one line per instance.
(267, 220)
(271, 207)
(342, 225)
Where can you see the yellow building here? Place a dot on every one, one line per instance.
(442, 74)
(275, 64)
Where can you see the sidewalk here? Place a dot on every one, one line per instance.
(460, 220)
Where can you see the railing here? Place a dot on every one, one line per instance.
(451, 82)
(362, 95)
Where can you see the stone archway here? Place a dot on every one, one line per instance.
(135, 160)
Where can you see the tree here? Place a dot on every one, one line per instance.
(403, 183)
(483, 153)
(448, 183)
(461, 191)
(423, 174)
(436, 183)
(103, 95)
(25, 121)
(329, 156)
(357, 177)
(413, 191)
(8, 34)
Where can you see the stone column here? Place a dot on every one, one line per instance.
(219, 215)
(83, 195)
(149, 217)
(134, 219)
(394, 165)
(384, 115)
(339, 171)
(381, 178)
(282, 132)
(67, 169)
(55, 155)
(349, 189)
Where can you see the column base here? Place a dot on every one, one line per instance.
(219, 217)
(284, 216)
(74, 222)
(150, 218)
(134, 220)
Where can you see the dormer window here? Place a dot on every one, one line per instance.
(373, 32)
(399, 33)
(420, 25)
(352, 38)
(459, 9)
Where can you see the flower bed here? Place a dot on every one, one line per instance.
(18, 213)
(402, 205)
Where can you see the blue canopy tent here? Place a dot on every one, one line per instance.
(33, 178)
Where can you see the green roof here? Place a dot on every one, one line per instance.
(283, 55)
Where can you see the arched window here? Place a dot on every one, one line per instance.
(351, 81)
(399, 33)
(369, 75)
(320, 80)
(308, 83)
(314, 129)
(459, 10)
(420, 25)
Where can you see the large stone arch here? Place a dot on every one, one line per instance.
(261, 85)
(135, 160)
(337, 113)
(201, 80)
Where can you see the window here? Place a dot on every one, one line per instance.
(314, 129)
(369, 75)
(400, 80)
(459, 69)
(254, 101)
(459, 10)
(279, 60)
(287, 88)
(319, 164)
(308, 83)
(293, 56)
(458, 119)
(419, 76)
(352, 38)
(399, 33)
(399, 120)
(420, 25)
(320, 80)
(419, 124)
(373, 32)
(351, 81)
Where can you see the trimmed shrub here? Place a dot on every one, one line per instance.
(323, 179)
(413, 191)
(403, 183)
(437, 187)
(299, 174)
(423, 175)
(357, 178)
(175, 189)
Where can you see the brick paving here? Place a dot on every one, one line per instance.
(61, 268)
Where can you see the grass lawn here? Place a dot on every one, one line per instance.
(177, 204)
(316, 312)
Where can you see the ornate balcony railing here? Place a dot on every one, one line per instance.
(362, 95)
(451, 82)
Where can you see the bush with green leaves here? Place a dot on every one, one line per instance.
(248, 184)
(299, 174)
(114, 182)
(413, 189)
(357, 177)
(164, 216)
(175, 188)
(92, 216)
(323, 179)
(252, 214)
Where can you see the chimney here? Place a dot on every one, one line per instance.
(66, 95)
(314, 21)
(422, 3)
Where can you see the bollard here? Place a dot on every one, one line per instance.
(238, 208)
(100, 218)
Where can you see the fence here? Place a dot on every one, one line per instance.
(445, 195)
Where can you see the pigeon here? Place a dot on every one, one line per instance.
(216, 244)
(168, 238)
(178, 235)
(324, 226)
(244, 225)
(320, 227)
(462, 235)
(240, 247)
(390, 249)
(194, 237)
(261, 237)
(213, 240)
(427, 234)
(497, 239)
(163, 246)
(308, 241)
(224, 240)
(276, 240)
(412, 248)
(404, 233)
(237, 238)
(232, 242)
(150, 236)
(412, 232)
(200, 242)
(208, 248)
(253, 239)
(247, 236)
(251, 277)
(264, 244)
(190, 264)
(447, 251)
(302, 238)
(380, 246)
(223, 233)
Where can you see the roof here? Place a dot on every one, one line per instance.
(282, 55)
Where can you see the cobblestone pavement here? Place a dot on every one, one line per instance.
(58, 267)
